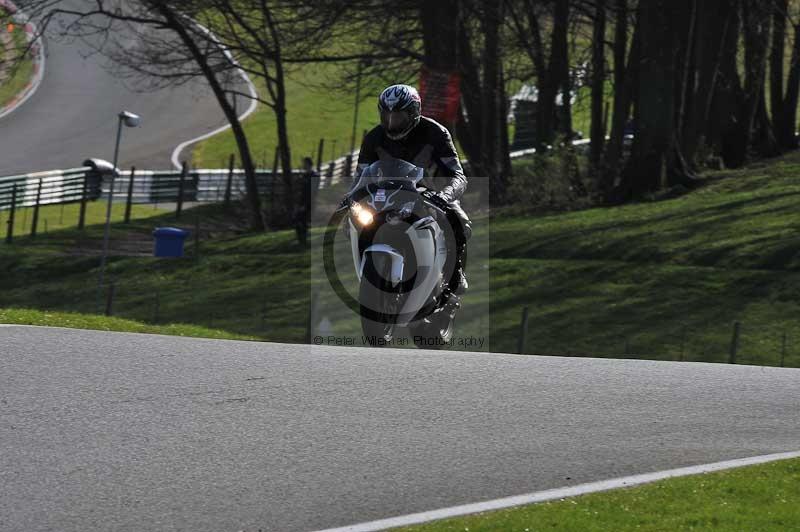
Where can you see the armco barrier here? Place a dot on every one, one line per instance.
(149, 186)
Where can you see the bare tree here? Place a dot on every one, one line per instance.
(160, 43)
(215, 40)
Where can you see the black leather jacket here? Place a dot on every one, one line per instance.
(430, 146)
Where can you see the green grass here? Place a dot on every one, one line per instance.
(74, 320)
(66, 216)
(764, 498)
(21, 73)
(662, 279)
(228, 289)
(659, 280)
(314, 112)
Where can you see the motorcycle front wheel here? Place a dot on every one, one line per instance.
(377, 301)
(433, 332)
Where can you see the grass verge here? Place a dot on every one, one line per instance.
(764, 497)
(74, 320)
(65, 216)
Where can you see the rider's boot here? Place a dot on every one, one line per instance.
(458, 283)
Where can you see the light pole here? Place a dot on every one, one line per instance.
(129, 120)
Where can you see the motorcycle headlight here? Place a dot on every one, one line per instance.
(363, 215)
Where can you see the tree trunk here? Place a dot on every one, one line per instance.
(776, 58)
(482, 126)
(598, 132)
(787, 137)
(764, 140)
(471, 123)
(725, 130)
(279, 94)
(440, 34)
(709, 42)
(495, 153)
(623, 84)
(684, 96)
(284, 149)
(554, 78)
(757, 31)
(784, 107)
(743, 106)
(253, 201)
(656, 158)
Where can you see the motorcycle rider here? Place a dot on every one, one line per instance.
(405, 134)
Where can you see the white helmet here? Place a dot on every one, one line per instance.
(400, 108)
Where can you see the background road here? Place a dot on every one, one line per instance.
(73, 115)
(103, 431)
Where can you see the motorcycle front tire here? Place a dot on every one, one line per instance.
(433, 332)
(376, 301)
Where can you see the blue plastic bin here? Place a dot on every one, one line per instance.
(168, 241)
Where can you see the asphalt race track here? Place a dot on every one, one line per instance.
(72, 116)
(115, 431)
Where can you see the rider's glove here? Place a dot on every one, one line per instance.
(444, 197)
(435, 198)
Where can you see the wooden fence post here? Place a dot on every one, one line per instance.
(320, 149)
(110, 299)
(229, 183)
(130, 196)
(264, 313)
(348, 165)
(179, 206)
(523, 332)
(196, 237)
(783, 350)
(312, 315)
(82, 215)
(734, 343)
(329, 174)
(10, 234)
(273, 186)
(35, 222)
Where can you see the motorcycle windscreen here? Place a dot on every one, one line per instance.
(390, 168)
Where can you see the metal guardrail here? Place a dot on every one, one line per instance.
(46, 188)
(144, 186)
